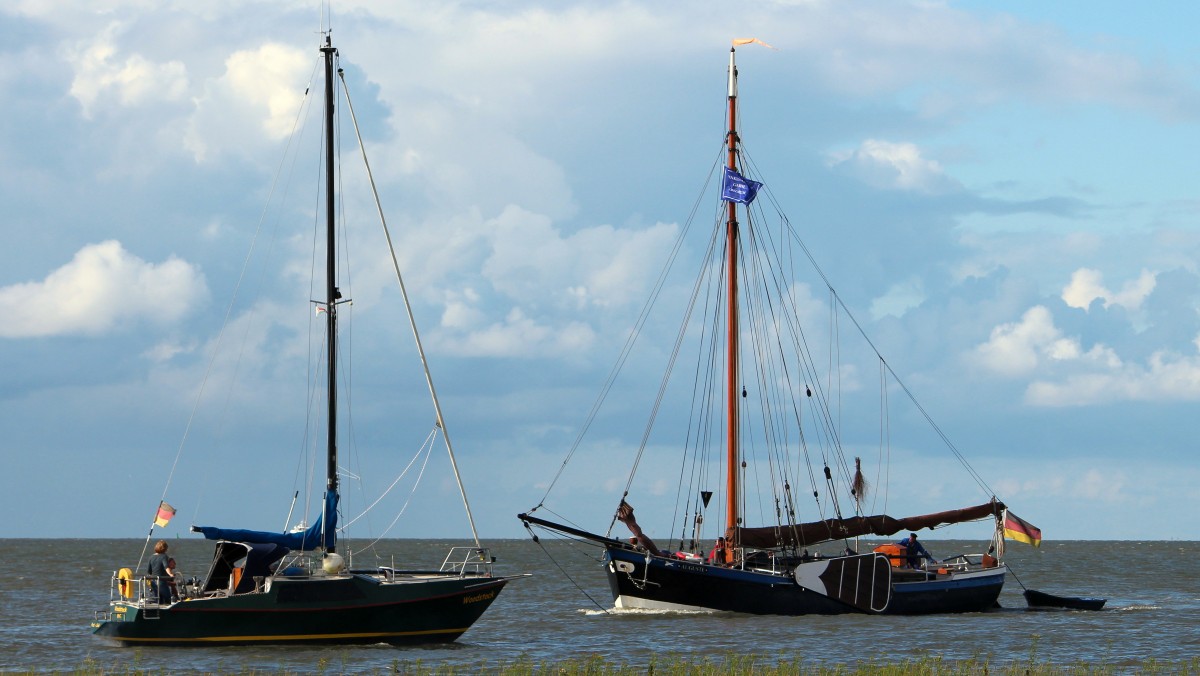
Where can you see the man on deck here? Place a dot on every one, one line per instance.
(916, 551)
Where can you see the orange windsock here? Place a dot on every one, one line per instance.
(746, 41)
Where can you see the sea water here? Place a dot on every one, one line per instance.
(52, 589)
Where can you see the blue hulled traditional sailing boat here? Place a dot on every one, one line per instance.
(762, 416)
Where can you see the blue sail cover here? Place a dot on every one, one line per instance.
(304, 541)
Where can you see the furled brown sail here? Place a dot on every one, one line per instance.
(816, 532)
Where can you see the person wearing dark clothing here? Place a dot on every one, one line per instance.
(717, 556)
(159, 575)
(916, 551)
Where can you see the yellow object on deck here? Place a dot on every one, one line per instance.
(125, 582)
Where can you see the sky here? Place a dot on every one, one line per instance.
(1004, 195)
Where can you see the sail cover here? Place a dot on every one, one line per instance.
(816, 532)
(317, 536)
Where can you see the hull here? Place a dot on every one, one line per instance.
(350, 609)
(854, 584)
(1037, 599)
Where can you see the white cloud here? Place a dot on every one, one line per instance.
(1019, 348)
(1087, 285)
(461, 313)
(101, 75)
(165, 351)
(528, 263)
(1078, 484)
(255, 101)
(898, 299)
(520, 336)
(1166, 377)
(1068, 375)
(101, 289)
(521, 259)
(898, 166)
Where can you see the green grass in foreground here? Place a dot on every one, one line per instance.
(732, 664)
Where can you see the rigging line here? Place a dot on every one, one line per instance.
(701, 409)
(766, 322)
(562, 570)
(306, 459)
(803, 350)
(912, 397)
(346, 345)
(411, 318)
(228, 314)
(834, 446)
(670, 368)
(564, 519)
(631, 339)
(769, 370)
(759, 320)
(800, 342)
(697, 388)
(404, 507)
(885, 436)
(421, 449)
(862, 332)
(804, 357)
(827, 425)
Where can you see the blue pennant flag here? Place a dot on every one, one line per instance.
(738, 188)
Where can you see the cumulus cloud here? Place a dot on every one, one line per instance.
(898, 299)
(103, 288)
(102, 75)
(598, 265)
(1165, 377)
(1069, 375)
(544, 277)
(1082, 484)
(896, 166)
(1020, 348)
(1087, 285)
(519, 335)
(255, 100)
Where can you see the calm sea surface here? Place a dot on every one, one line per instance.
(54, 587)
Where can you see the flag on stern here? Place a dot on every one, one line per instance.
(1016, 528)
(738, 188)
(165, 512)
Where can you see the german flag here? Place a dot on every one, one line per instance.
(163, 517)
(1016, 528)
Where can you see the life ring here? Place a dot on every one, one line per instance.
(125, 582)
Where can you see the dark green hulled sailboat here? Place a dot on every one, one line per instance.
(295, 587)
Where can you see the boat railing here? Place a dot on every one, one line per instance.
(134, 590)
(468, 560)
(299, 565)
(960, 563)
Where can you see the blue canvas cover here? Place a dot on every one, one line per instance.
(305, 541)
(258, 564)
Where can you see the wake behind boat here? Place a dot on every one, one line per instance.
(296, 586)
(764, 424)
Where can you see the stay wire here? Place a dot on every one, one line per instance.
(225, 322)
(627, 348)
(537, 541)
(862, 332)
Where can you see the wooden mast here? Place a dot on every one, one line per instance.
(331, 295)
(733, 473)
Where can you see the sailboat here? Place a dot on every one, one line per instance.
(763, 411)
(296, 586)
